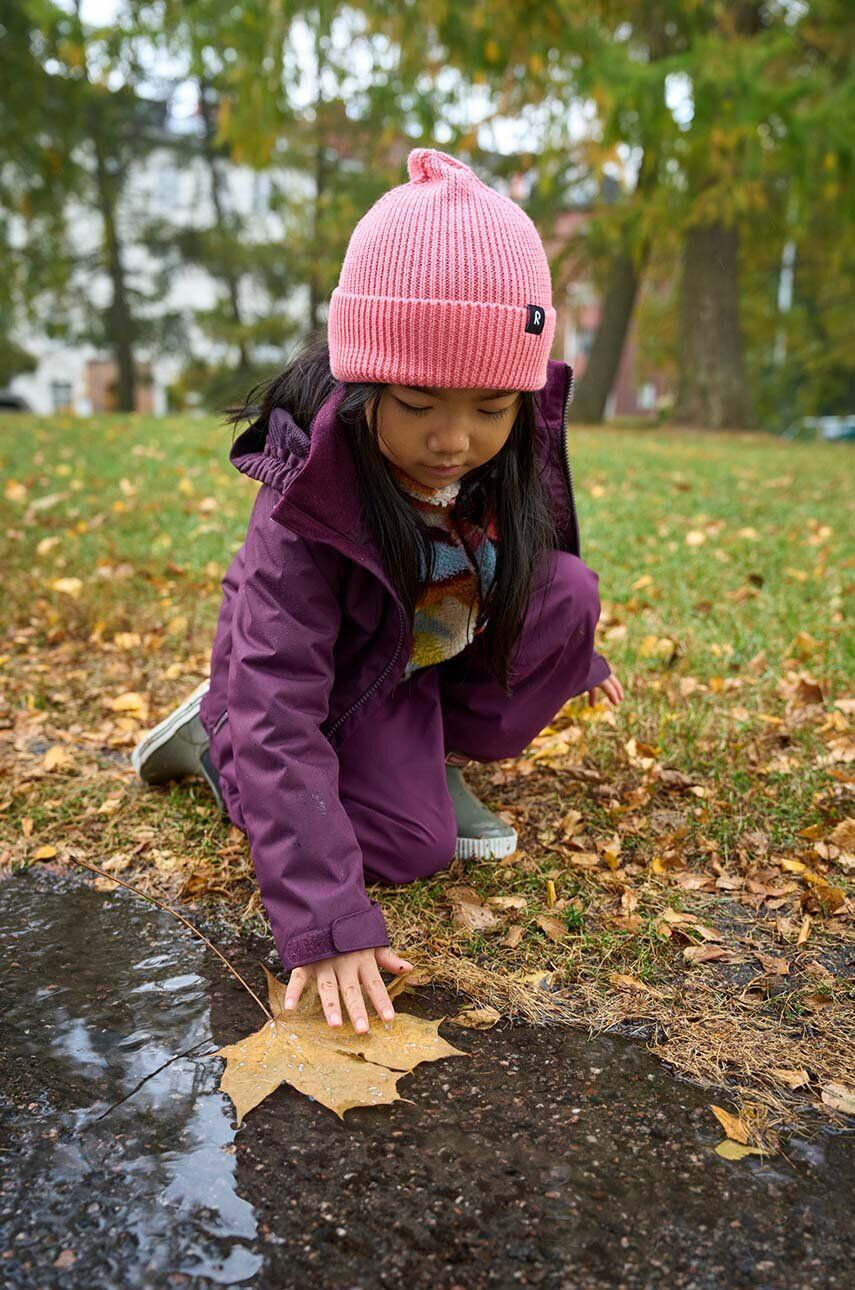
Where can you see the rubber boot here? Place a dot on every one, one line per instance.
(479, 831)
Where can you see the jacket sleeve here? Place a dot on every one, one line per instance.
(304, 850)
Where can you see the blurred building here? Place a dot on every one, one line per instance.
(172, 185)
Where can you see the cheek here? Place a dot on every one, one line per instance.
(495, 440)
(396, 441)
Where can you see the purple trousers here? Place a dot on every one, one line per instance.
(392, 765)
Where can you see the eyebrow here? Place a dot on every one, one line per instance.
(482, 398)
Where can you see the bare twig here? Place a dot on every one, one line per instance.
(145, 896)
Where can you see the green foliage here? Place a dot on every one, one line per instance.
(652, 118)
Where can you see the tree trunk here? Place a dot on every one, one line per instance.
(230, 275)
(712, 391)
(589, 400)
(121, 324)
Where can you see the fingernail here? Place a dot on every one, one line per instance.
(388, 1014)
(289, 1003)
(407, 967)
(361, 1025)
(335, 1019)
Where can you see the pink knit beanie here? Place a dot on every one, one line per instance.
(445, 282)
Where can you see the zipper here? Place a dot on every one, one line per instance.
(378, 680)
(565, 460)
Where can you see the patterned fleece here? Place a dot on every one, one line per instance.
(447, 606)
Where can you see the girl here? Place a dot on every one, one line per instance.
(409, 595)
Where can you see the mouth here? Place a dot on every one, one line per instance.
(444, 472)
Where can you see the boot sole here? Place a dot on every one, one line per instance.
(486, 848)
(166, 729)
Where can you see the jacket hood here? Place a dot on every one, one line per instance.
(315, 473)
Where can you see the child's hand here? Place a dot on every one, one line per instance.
(346, 975)
(611, 688)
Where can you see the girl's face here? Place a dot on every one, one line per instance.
(423, 429)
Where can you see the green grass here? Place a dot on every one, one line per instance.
(639, 494)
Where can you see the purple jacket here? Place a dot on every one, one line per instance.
(311, 637)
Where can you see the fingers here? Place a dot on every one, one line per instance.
(353, 1001)
(298, 978)
(387, 959)
(328, 992)
(611, 688)
(377, 992)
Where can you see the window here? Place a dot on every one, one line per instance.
(647, 397)
(60, 393)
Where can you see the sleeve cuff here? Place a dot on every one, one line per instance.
(597, 673)
(361, 931)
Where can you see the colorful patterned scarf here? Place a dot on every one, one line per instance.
(447, 607)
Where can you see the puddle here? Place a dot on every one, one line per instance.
(545, 1159)
(115, 1143)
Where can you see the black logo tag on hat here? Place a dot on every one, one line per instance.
(536, 318)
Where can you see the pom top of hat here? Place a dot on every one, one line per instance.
(425, 164)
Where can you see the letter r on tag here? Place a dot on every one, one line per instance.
(536, 318)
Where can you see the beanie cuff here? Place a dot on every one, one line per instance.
(449, 343)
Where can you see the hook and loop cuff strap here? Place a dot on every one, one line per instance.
(360, 931)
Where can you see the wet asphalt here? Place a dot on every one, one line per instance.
(546, 1159)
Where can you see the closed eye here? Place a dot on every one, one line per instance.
(418, 412)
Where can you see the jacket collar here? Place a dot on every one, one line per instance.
(316, 474)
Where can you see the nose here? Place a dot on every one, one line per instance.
(451, 442)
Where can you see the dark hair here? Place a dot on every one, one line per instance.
(508, 486)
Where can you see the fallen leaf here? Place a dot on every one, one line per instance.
(468, 911)
(408, 981)
(705, 953)
(735, 1128)
(513, 938)
(731, 1150)
(334, 1065)
(641, 754)
(541, 980)
(816, 1002)
(661, 647)
(570, 823)
(130, 701)
(57, 757)
(843, 835)
(553, 927)
(68, 586)
(477, 1018)
(803, 646)
(625, 982)
(506, 902)
(44, 853)
(839, 1097)
(792, 1078)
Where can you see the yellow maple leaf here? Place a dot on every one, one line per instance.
(334, 1065)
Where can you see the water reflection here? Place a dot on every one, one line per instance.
(118, 1141)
